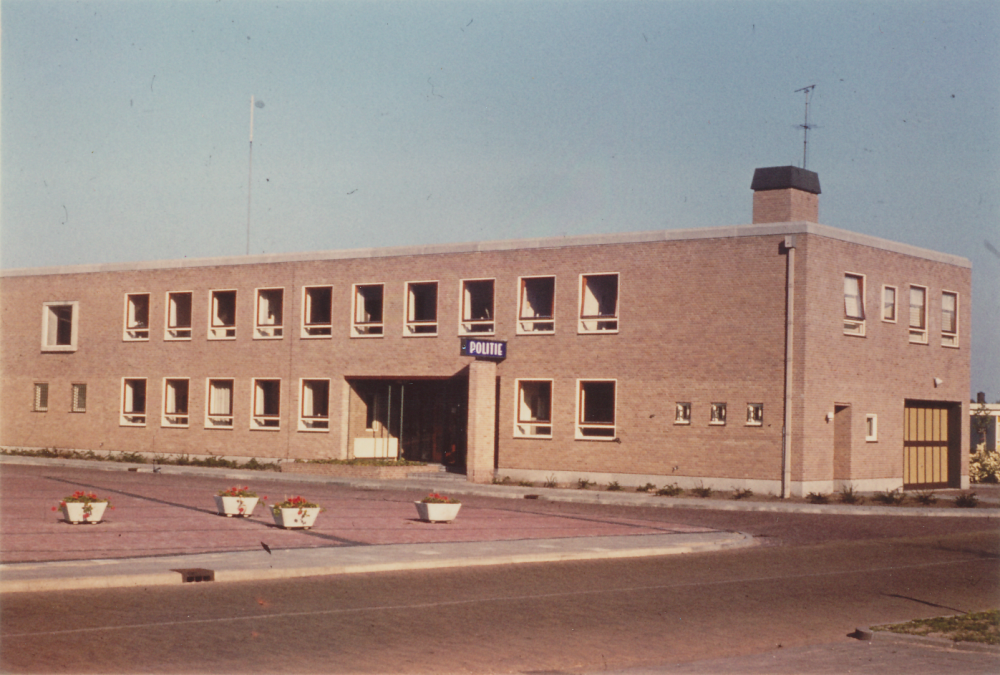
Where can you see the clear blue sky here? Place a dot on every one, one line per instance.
(125, 125)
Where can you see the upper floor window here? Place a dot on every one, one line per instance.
(718, 414)
(596, 404)
(534, 409)
(889, 304)
(477, 307)
(871, 428)
(136, 316)
(367, 319)
(317, 311)
(222, 318)
(949, 319)
(598, 303)
(219, 412)
(682, 413)
(755, 414)
(178, 326)
(314, 413)
(41, 402)
(175, 403)
(536, 305)
(854, 304)
(918, 314)
(60, 326)
(266, 404)
(133, 409)
(269, 316)
(79, 400)
(421, 308)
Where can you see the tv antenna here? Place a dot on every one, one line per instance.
(806, 126)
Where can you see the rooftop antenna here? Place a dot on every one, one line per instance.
(805, 127)
(253, 104)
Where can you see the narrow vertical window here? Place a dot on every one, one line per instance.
(596, 410)
(133, 402)
(178, 326)
(314, 412)
(949, 319)
(79, 403)
(755, 414)
(598, 303)
(889, 304)
(421, 308)
(41, 402)
(854, 304)
(871, 428)
(269, 316)
(536, 305)
(477, 307)
(136, 316)
(367, 319)
(219, 404)
(222, 320)
(682, 413)
(317, 311)
(534, 409)
(718, 414)
(175, 403)
(59, 326)
(918, 315)
(266, 404)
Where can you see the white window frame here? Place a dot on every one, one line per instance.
(75, 405)
(949, 338)
(471, 326)
(259, 419)
(315, 330)
(581, 427)
(717, 414)
(854, 325)
(755, 414)
(918, 334)
(413, 327)
(682, 413)
(871, 428)
(262, 330)
(50, 326)
(895, 303)
(133, 331)
(364, 328)
(535, 324)
(597, 323)
(216, 329)
(171, 329)
(131, 417)
(216, 420)
(175, 418)
(40, 399)
(525, 427)
(313, 423)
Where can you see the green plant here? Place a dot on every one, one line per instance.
(550, 482)
(583, 484)
(648, 487)
(132, 458)
(967, 500)
(502, 480)
(984, 467)
(742, 493)
(889, 497)
(525, 483)
(614, 486)
(926, 497)
(702, 491)
(974, 627)
(435, 498)
(818, 498)
(299, 503)
(849, 496)
(670, 490)
(86, 498)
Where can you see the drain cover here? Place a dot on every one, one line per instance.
(194, 575)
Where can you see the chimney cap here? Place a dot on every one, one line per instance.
(784, 177)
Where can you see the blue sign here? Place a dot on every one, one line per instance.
(484, 349)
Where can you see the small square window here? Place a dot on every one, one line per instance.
(854, 304)
(314, 413)
(534, 409)
(889, 304)
(133, 411)
(871, 428)
(536, 305)
(949, 319)
(269, 316)
(219, 412)
(477, 308)
(317, 312)
(266, 405)
(79, 398)
(598, 303)
(596, 405)
(178, 325)
(718, 414)
(41, 402)
(175, 403)
(222, 318)
(682, 413)
(918, 315)
(136, 317)
(421, 308)
(60, 326)
(368, 305)
(755, 414)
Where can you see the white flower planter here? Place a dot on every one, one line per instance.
(235, 506)
(296, 518)
(437, 513)
(73, 512)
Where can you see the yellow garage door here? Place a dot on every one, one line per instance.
(925, 446)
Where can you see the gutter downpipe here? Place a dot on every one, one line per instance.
(786, 452)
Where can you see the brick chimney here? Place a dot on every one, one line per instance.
(783, 194)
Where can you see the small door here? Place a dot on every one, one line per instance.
(930, 443)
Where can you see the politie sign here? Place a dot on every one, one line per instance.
(484, 349)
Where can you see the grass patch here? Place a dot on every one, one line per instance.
(648, 487)
(670, 490)
(926, 498)
(209, 461)
(550, 482)
(583, 484)
(818, 498)
(889, 498)
(614, 486)
(742, 493)
(702, 491)
(983, 627)
(849, 496)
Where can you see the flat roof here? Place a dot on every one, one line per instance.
(756, 230)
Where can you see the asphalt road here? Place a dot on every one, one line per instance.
(821, 577)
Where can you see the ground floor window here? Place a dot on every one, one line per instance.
(596, 409)
(718, 414)
(266, 404)
(314, 414)
(79, 398)
(220, 404)
(534, 409)
(133, 410)
(755, 414)
(682, 413)
(41, 403)
(175, 403)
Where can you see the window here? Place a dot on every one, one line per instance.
(367, 311)
(133, 402)
(136, 316)
(534, 409)
(41, 403)
(421, 308)
(755, 414)
(317, 311)
(536, 305)
(266, 404)
(949, 319)
(871, 428)
(477, 307)
(314, 413)
(79, 403)
(598, 303)
(918, 315)
(682, 413)
(59, 326)
(178, 316)
(854, 304)
(220, 404)
(595, 417)
(269, 316)
(718, 416)
(175, 403)
(889, 304)
(222, 320)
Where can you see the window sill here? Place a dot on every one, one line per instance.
(59, 348)
(682, 424)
